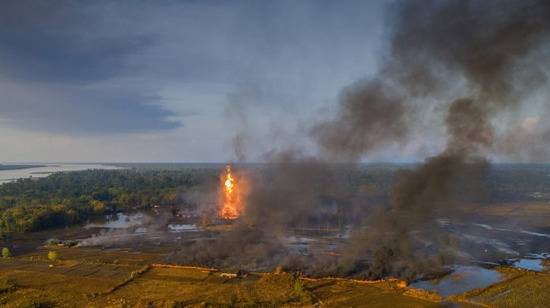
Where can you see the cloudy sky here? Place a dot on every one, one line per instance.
(154, 81)
(174, 80)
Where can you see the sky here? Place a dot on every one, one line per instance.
(173, 80)
(176, 81)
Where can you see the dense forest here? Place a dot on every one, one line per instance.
(72, 197)
(69, 198)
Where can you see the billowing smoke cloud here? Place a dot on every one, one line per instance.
(484, 44)
(371, 114)
(527, 140)
(466, 56)
(434, 44)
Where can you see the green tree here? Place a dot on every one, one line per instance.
(65, 199)
(52, 255)
(6, 253)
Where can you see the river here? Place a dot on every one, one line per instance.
(47, 169)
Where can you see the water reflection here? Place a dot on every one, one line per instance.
(119, 221)
(463, 279)
(530, 264)
(141, 223)
(176, 228)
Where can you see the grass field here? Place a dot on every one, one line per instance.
(110, 278)
(93, 277)
(521, 288)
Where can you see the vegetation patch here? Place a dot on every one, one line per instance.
(6, 253)
(521, 289)
(69, 198)
(6, 285)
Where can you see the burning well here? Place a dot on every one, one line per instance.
(233, 188)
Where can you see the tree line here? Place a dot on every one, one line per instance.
(69, 198)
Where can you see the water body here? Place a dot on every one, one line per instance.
(47, 169)
(139, 221)
(462, 279)
(177, 228)
(119, 221)
(530, 264)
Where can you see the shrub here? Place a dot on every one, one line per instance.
(300, 292)
(57, 242)
(174, 304)
(6, 253)
(298, 286)
(53, 242)
(205, 220)
(279, 270)
(37, 302)
(6, 285)
(98, 206)
(52, 255)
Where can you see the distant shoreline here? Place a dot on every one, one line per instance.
(18, 167)
(13, 172)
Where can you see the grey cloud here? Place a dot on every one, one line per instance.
(56, 58)
(299, 54)
(65, 70)
(79, 111)
(58, 41)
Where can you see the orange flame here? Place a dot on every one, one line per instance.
(232, 196)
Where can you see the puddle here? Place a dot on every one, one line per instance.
(300, 239)
(491, 228)
(141, 230)
(119, 221)
(543, 255)
(497, 244)
(484, 226)
(535, 233)
(462, 279)
(529, 264)
(176, 228)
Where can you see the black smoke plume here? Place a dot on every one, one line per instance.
(475, 60)
(483, 43)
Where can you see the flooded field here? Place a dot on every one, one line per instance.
(493, 244)
(486, 243)
(482, 242)
(141, 244)
(462, 279)
(119, 221)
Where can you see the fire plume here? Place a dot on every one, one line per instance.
(231, 203)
